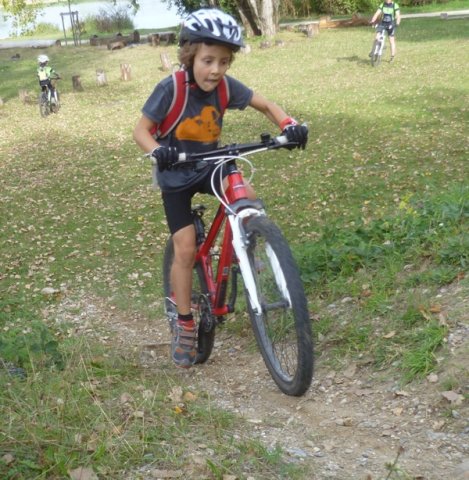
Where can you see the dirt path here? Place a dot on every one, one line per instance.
(349, 425)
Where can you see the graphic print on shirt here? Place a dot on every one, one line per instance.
(201, 128)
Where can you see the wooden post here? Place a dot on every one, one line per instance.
(126, 69)
(165, 62)
(312, 29)
(154, 39)
(76, 83)
(101, 79)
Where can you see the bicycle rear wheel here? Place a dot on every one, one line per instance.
(283, 328)
(43, 104)
(200, 305)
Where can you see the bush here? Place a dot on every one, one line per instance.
(44, 29)
(111, 19)
(344, 7)
(434, 227)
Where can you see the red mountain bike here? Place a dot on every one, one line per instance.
(242, 240)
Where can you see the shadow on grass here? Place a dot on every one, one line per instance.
(356, 59)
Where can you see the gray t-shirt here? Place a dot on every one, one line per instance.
(199, 128)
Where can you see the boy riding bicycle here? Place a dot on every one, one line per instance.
(46, 74)
(390, 17)
(208, 40)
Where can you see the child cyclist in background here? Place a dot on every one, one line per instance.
(45, 74)
(208, 40)
(390, 17)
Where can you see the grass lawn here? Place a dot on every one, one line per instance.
(376, 209)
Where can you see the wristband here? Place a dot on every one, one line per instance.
(286, 122)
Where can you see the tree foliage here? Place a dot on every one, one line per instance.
(23, 12)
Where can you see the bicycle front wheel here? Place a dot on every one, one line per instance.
(200, 304)
(55, 104)
(376, 53)
(43, 105)
(283, 327)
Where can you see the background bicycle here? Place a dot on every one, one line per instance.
(243, 241)
(378, 47)
(49, 97)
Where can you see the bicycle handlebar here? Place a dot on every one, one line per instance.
(235, 150)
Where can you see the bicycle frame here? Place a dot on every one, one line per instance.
(381, 37)
(378, 46)
(239, 207)
(48, 90)
(230, 215)
(49, 103)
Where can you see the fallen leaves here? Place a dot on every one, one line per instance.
(180, 398)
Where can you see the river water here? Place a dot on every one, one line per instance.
(152, 14)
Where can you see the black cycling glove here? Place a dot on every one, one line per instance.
(165, 157)
(296, 134)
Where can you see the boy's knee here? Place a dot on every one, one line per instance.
(185, 254)
(185, 259)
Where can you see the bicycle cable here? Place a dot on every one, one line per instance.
(219, 167)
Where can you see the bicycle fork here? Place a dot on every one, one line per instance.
(240, 245)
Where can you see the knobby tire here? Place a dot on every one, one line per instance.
(200, 304)
(55, 106)
(44, 108)
(283, 328)
(376, 53)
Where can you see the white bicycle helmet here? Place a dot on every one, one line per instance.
(213, 25)
(42, 59)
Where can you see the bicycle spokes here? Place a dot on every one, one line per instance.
(282, 327)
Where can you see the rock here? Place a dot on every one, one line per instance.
(461, 472)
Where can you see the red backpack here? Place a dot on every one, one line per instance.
(179, 102)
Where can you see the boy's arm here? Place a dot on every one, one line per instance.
(376, 15)
(142, 135)
(270, 109)
(398, 17)
(297, 134)
(165, 156)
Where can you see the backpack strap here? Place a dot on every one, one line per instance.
(223, 90)
(179, 102)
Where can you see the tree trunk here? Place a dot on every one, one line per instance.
(248, 12)
(269, 18)
(260, 17)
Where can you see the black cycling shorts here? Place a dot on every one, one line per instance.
(177, 205)
(387, 27)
